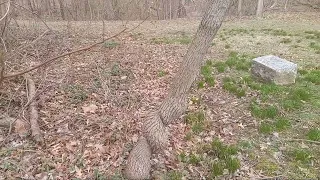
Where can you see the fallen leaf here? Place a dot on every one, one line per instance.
(90, 109)
(78, 172)
(135, 138)
(21, 128)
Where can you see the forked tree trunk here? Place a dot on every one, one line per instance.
(154, 136)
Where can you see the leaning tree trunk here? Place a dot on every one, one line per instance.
(154, 136)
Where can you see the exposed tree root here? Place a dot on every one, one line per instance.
(155, 137)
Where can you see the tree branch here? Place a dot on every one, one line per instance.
(2, 68)
(60, 56)
(34, 115)
(7, 12)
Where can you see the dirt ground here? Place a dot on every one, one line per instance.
(91, 103)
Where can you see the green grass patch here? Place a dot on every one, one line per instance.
(99, 175)
(269, 88)
(267, 166)
(312, 34)
(174, 175)
(162, 73)
(314, 134)
(301, 94)
(201, 84)
(116, 70)
(264, 111)
(285, 40)
(238, 31)
(290, 105)
(279, 32)
(233, 87)
(194, 159)
(188, 136)
(183, 39)
(220, 66)
(239, 62)
(266, 128)
(196, 120)
(314, 46)
(76, 93)
(301, 155)
(224, 155)
(296, 98)
(246, 145)
(208, 79)
(111, 44)
(313, 76)
(206, 71)
(282, 124)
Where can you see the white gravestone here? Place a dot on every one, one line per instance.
(274, 69)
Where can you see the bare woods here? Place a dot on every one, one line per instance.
(82, 10)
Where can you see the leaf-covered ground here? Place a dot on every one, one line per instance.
(91, 104)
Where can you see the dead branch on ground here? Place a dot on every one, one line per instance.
(34, 115)
(2, 68)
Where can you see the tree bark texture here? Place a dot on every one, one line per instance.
(154, 136)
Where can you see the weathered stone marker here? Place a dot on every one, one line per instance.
(274, 69)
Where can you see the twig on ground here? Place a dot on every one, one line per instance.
(271, 178)
(2, 68)
(7, 12)
(4, 44)
(60, 56)
(34, 97)
(304, 140)
(34, 116)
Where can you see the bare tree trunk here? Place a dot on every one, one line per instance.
(182, 12)
(259, 8)
(240, 7)
(62, 9)
(109, 11)
(154, 135)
